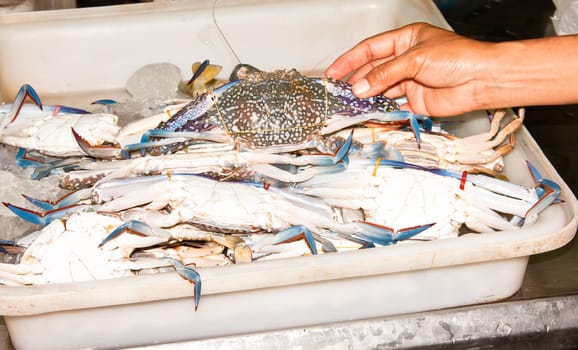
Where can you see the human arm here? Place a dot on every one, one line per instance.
(444, 74)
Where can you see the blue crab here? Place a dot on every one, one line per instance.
(46, 128)
(278, 111)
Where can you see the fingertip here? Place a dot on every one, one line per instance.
(333, 72)
(360, 87)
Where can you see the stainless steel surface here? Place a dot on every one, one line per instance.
(536, 324)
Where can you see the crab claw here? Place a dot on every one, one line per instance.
(67, 200)
(98, 151)
(416, 123)
(138, 228)
(43, 165)
(43, 170)
(342, 152)
(539, 181)
(191, 275)
(24, 92)
(42, 218)
(295, 233)
(548, 193)
(340, 156)
(383, 235)
(171, 138)
(24, 160)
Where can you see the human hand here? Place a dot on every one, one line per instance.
(434, 68)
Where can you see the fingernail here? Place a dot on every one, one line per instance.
(360, 87)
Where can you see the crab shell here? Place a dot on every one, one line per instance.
(271, 109)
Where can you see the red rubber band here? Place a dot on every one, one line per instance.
(56, 110)
(463, 180)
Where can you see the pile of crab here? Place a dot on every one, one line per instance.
(264, 166)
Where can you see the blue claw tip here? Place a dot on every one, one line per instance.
(28, 90)
(104, 102)
(297, 232)
(115, 233)
(191, 275)
(344, 150)
(28, 215)
(383, 235)
(133, 226)
(23, 160)
(24, 91)
(536, 176)
(71, 110)
(46, 205)
(414, 125)
(410, 232)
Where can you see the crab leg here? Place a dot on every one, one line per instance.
(15, 275)
(68, 199)
(141, 229)
(44, 165)
(24, 160)
(384, 235)
(46, 217)
(548, 192)
(289, 235)
(337, 123)
(190, 275)
(494, 136)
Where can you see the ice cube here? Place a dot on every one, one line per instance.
(154, 82)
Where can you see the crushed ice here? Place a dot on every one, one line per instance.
(149, 87)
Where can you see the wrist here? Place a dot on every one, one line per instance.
(499, 79)
(528, 72)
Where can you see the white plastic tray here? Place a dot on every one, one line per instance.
(107, 44)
